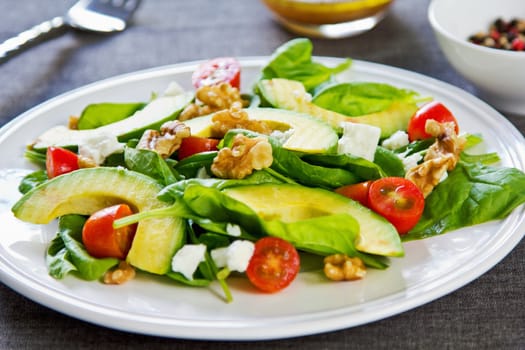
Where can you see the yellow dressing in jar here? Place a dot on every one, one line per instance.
(328, 18)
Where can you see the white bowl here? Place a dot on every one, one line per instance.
(499, 75)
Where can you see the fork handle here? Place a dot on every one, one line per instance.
(25, 39)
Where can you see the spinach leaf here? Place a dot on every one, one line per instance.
(389, 162)
(324, 235)
(32, 180)
(360, 98)
(176, 190)
(36, 156)
(293, 60)
(99, 114)
(472, 194)
(189, 167)
(290, 164)
(67, 254)
(150, 163)
(361, 168)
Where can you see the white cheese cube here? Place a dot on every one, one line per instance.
(233, 229)
(187, 259)
(410, 161)
(359, 140)
(98, 147)
(396, 140)
(235, 257)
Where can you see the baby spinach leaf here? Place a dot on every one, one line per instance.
(176, 190)
(472, 194)
(99, 114)
(293, 60)
(189, 167)
(150, 163)
(67, 253)
(324, 235)
(389, 162)
(289, 164)
(32, 180)
(360, 98)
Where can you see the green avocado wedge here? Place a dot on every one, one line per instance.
(307, 134)
(291, 203)
(87, 190)
(152, 116)
(291, 95)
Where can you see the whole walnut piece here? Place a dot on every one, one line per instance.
(122, 273)
(245, 155)
(166, 141)
(211, 99)
(442, 156)
(340, 267)
(236, 118)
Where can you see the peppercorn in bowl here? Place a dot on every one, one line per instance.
(484, 40)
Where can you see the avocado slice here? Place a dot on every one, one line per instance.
(290, 203)
(307, 134)
(152, 116)
(291, 95)
(87, 190)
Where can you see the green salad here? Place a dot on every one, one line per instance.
(200, 185)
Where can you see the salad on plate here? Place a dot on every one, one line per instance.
(199, 185)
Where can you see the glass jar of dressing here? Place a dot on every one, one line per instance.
(328, 18)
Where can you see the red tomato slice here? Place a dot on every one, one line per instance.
(60, 161)
(358, 192)
(432, 110)
(274, 264)
(216, 71)
(101, 239)
(193, 144)
(397, 199)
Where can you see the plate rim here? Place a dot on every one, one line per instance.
(149, 324)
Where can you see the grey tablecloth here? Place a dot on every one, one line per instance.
(488, 313)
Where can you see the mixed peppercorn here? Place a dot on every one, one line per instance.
(506, 35)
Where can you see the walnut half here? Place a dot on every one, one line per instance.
(340, 267)
(166, 141)
(245, 155)
(442, 156)
(236, 118)
(211, 99)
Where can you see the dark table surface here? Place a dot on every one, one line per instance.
(488, 313)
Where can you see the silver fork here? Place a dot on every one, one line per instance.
(102, 16)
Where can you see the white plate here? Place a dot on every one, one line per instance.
(153, 305)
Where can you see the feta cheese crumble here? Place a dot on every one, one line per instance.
(187, 259)
(359, 140)
(396, 140)
(98, 147)
(233, 229)
(235, 257)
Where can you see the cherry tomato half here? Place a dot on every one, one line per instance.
(60, 161)
(397, 199)
(101, 239)
(274, 264)
(432, 110)
(193, 144)
(358, 192)
(216, 71)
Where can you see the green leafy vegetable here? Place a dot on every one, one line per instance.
(67, 253)
(472, 194)
(32, 180)
(293, 60)
(360, 98)
(150, 163)
(99, 114)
